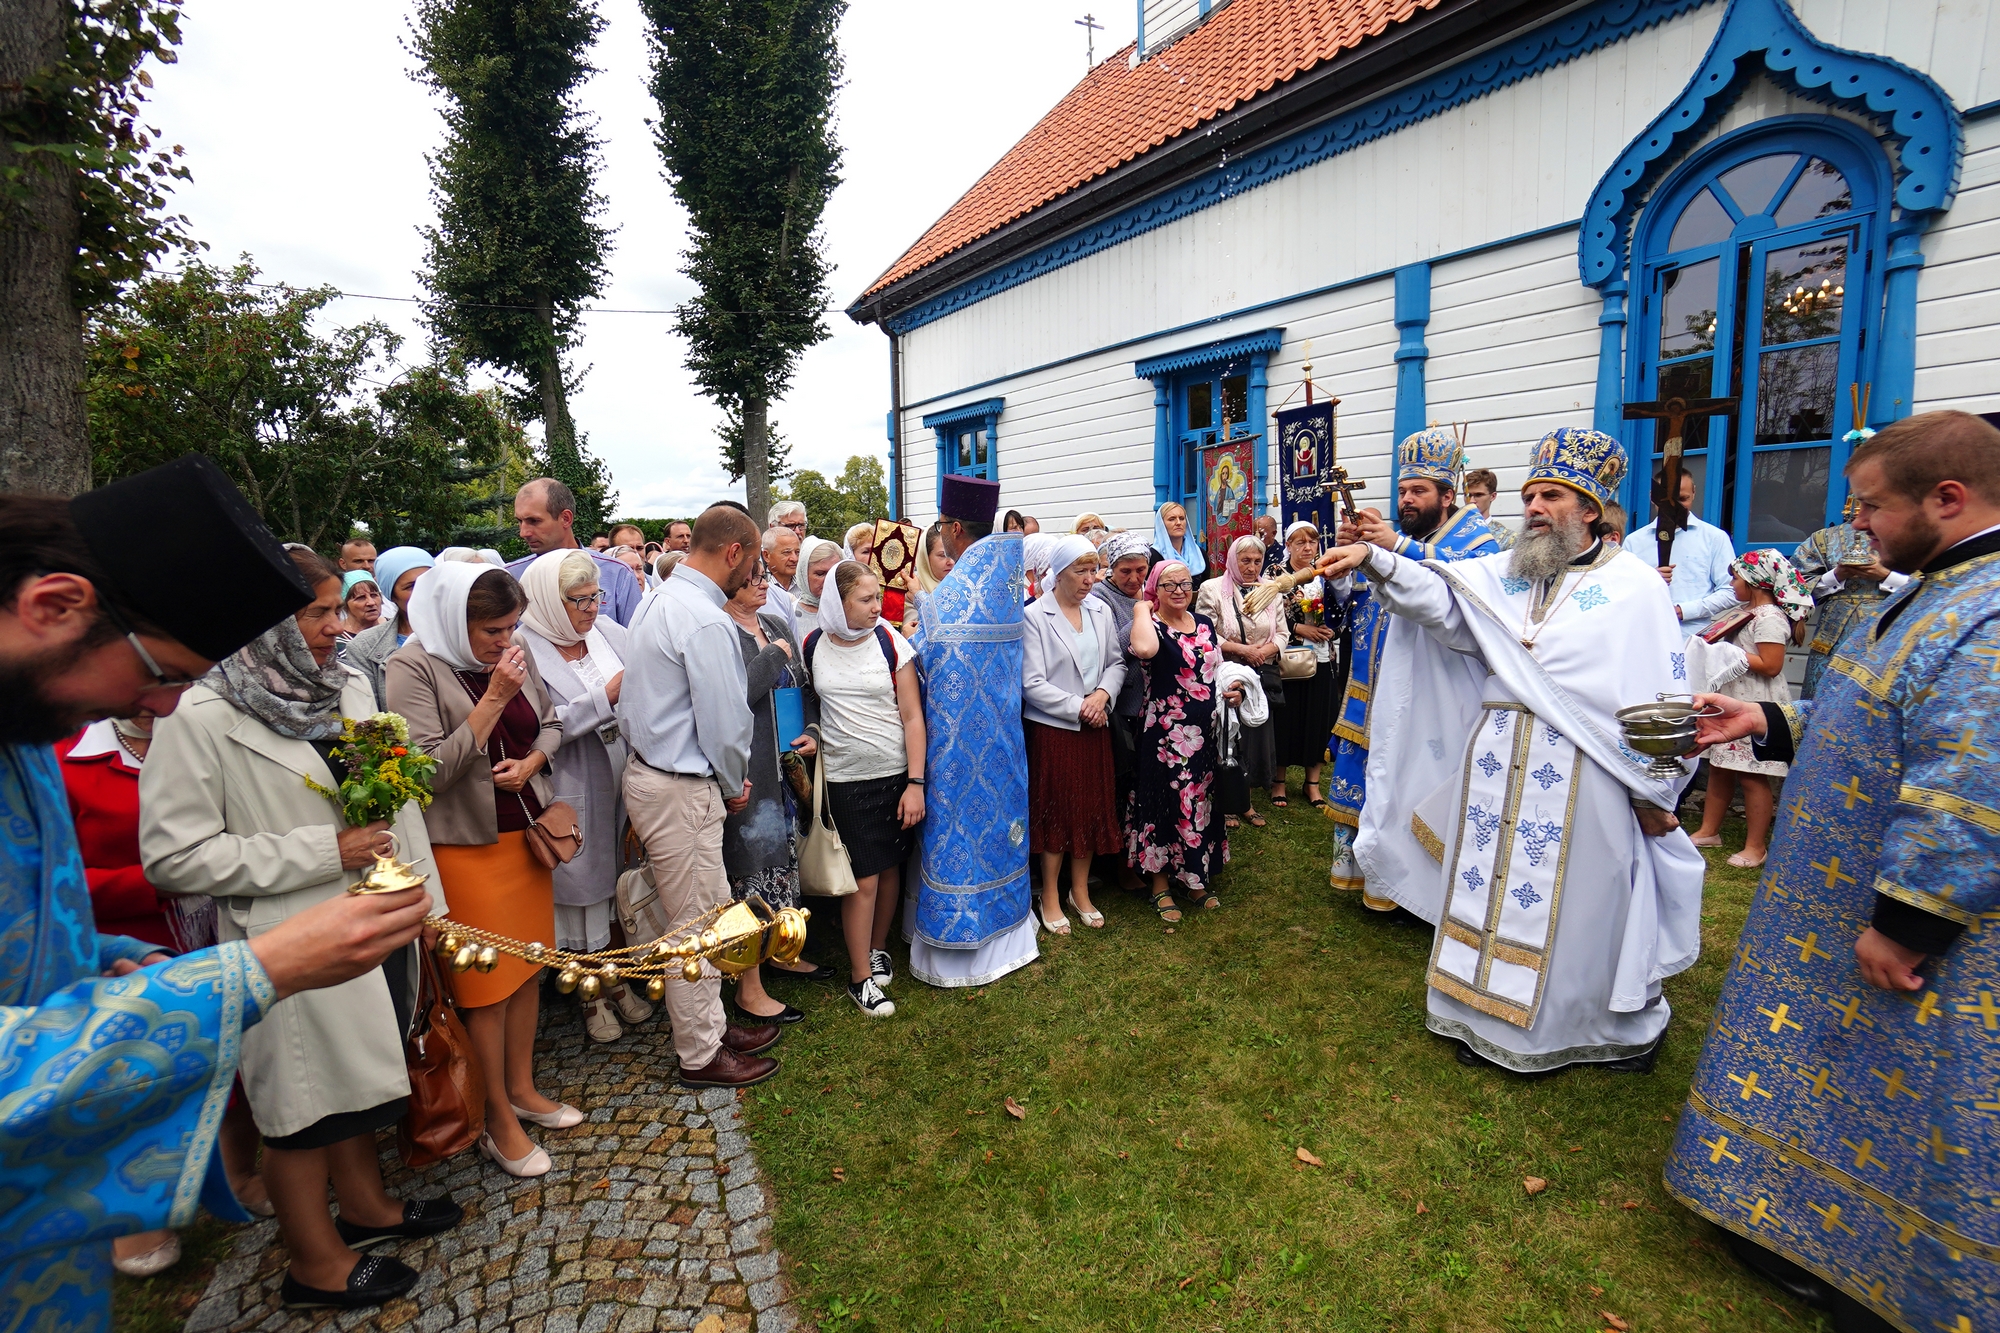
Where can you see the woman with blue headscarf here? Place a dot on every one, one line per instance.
(396, 573)
(1172, 540)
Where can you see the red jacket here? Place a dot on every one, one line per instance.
(104, 799)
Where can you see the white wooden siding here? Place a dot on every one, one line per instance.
(1958, 288)
(1080, 436)
(1513, 339)
(1956, 42)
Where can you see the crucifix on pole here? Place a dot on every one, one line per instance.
(1091, 27)
(1673, 414)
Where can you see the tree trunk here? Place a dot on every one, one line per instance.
(756, 458)
(558, 435)
(44, 437)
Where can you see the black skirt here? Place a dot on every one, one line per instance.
(1306, 724)
(864, 813)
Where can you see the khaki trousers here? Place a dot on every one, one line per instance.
(679, 821)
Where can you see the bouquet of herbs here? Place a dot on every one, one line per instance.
(383, 772)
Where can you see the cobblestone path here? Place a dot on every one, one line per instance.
(655, 1217)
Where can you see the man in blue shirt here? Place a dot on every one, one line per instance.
(546, 511)
(1698, 578)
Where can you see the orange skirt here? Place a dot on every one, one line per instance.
(499, 887)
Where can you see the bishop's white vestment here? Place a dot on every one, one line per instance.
(1557, 918)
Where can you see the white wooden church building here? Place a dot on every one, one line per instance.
(1518, 214)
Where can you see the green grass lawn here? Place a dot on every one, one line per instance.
(1171, 1079)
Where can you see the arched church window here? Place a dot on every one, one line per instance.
(1757, 266)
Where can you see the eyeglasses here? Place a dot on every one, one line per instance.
(161, 680)
(797, 525)
(591, 602)
(1176, 585)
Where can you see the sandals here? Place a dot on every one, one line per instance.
(1231, 823)
(1278, 803)
(1712, 840)
(1255, 820)
(1742, 861)
(1209, 902)
(1170, 913)
(1093, 919)
(1060, 926)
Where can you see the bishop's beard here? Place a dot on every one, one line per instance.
(1544, 552)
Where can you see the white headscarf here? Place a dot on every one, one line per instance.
(1036, 548)
(802, 576)
(833, 614)
(437, 611)
(545, 613)
(1063, 552)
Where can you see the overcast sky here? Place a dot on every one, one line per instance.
(306, 137)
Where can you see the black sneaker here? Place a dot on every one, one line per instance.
(871, 999)
(421, 1217)
(881, 967)
(375, 1280)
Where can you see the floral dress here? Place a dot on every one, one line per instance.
(1170, 824)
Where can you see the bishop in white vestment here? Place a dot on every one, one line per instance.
(1567, 890)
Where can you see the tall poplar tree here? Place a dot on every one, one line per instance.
(518, 249)
(745, 90)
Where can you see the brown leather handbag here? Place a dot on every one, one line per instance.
(556, 835)
(447, 1090)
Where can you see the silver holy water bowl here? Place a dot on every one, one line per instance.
(1664, 730)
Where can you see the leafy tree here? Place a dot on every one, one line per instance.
(518, 249)
(859, 494)
(82, 198)
(745, 90)
(212, 361)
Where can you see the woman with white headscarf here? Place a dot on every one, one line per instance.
(1313, 615)
(872, 749)
(1072, 668)
(1255, 641)
(580, 653)
(816, 556)
(475, 703)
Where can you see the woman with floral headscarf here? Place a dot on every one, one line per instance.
(1772, 599)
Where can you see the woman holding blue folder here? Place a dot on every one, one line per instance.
(759, 842)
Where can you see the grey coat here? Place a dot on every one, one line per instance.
(587, 771)
(1052, 689)
(368, 652)
(759, 837)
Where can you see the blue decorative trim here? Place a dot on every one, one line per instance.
(1413, 316)
(1265, 341)
(955, 416)
(1980, 112)
(1257, 308)
(1553, 44)
(1608, 412)
(1896, 361)
(1911, 109)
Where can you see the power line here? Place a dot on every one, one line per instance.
(492, 305)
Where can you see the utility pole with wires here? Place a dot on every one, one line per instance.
(1091, 27)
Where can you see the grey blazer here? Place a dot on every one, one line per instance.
(1051, 682)
(423, 689)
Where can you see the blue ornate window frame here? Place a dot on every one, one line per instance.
(1249, 356)
(1908, 109)
(1725, 498)
(984, 418)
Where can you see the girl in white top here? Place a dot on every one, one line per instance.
(872, 745)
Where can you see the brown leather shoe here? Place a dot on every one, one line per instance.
(729, 1070)
(751, 1040)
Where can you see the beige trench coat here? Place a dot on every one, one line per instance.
(224, 810)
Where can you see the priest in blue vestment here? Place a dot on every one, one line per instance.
(1844, 1124)
(968, 922)
(1435, 526)
(118, 1058)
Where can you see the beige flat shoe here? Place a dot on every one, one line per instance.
(1713, 840)
(631, 1007)
(1743, 861)
(148, 1262)
(536, 1163)
(562, 1117)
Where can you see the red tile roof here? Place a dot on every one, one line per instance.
(1120, 111)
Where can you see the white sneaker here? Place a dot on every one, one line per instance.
(600, 1023)
(871, 999)
(881, 967)
(631, 1007)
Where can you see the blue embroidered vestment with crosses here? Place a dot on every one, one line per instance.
(1464, 536)
(111, 1089)
(1853, 1130)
